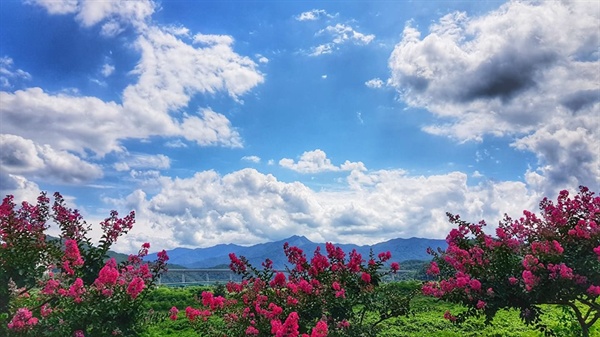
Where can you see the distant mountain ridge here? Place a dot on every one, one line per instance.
(401, 249)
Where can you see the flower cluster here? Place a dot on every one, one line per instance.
(550, 259)
(81, 291)
(326, 294)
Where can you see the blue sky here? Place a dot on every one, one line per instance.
(245, 122)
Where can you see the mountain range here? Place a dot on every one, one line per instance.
(218, 256)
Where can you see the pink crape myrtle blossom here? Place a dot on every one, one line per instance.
(314, 297)
(551, 258)
(22, 321)
(62, 282)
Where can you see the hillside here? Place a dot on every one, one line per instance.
(401, 249)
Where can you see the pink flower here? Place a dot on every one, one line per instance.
(433, 269)
(480, 304)
(78, 333)
(72, 257)
(343, 324)
(366, 277)
(279, 280)
(475, 285)
(251, 331)
(23, 320)
(449, 316)
(135, 287)
(320, 330)
(76, 290)
(395, 267)
(594, 290)
(513, 280)
(173, 313)
(45, 310)
(108, 275)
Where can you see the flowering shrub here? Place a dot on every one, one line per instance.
(67, 287)
(551, 259)
(326, 296)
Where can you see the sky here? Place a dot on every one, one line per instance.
(343, 121)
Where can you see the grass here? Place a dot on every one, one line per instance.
(426, 319)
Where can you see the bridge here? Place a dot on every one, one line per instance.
(188, 277)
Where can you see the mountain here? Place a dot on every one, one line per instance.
(401, 249)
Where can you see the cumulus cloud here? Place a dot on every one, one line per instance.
(374, 83)
(262, 59)
(210, 128)
(114, 14)
(172, 71)
(213, 39)
(107, 70)
(252, 159)
(526, 70)
(146, 161)
(19, 187)
(8, 73)
(248, 207)
(312, 15)
(340, 34)
(20, 156)
(315, 162)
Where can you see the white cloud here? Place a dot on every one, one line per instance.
(114, 14)
(146, 161)
(374, 83)
(107, 70)
(527, 70)
(176, 143)
(342, 33)
(66, 122)
(322, 49)
(20, 156)
(312, 15)
(210, 128)
(262, 59)
(315, 162)
(8, 74)
(248, 207)
(213, 39)
(19, 187)
(172, 71)
(252, 159)
(57, 6)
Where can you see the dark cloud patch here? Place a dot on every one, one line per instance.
(505, 75)
(581, 99)
(416, 83)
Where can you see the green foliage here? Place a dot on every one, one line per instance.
(425, 318)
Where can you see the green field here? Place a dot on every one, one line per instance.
(426, 319)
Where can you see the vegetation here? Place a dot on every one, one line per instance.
(538, 276)
(426, 318)
(553, 259)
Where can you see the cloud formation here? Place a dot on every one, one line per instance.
(317, 162)
(312, 15)
(115, 15)
(24, 157)
(8, 74)
(374, 83)
(340, 34)
(526, 70)
(250, 207)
